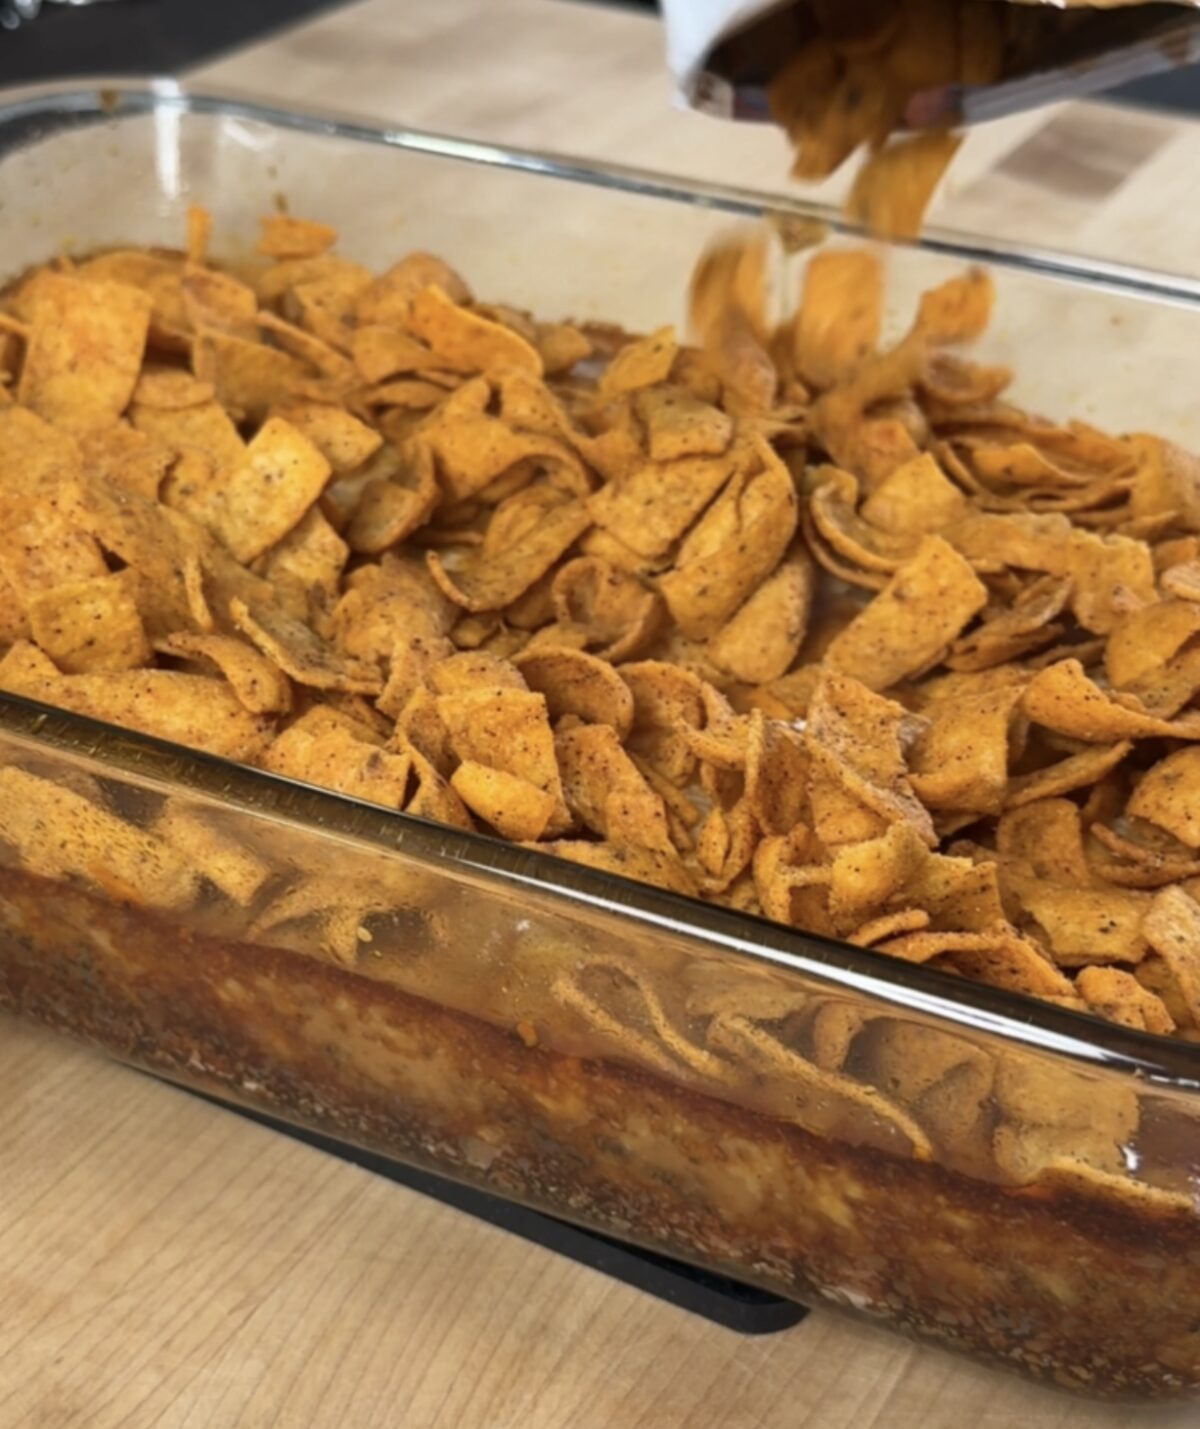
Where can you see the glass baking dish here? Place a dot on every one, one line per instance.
(992, 1174)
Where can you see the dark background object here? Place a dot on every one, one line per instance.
(1178, 90)
(743, 1308)
(170, 36)
(141, 36)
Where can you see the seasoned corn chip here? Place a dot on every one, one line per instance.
(1062, 698)
(611, 609)
(381, 351)
(634, 603)
(1182, 581)
(309, 561)
(308, 348)
(680, 425)
(1037, 1121)
(1047, 836)
(205, 427)
(629, 861)
(961, 760)
(858, 739)
(606, 792)
(1172, 927)
(666, 698)
(762, 638)
(261, 499)
(217, 302)
(1166, 480)
(324, 749)
(89, 625)
(1110, 575)
(575, 683)
(59, 834)
(512, 806)
(389, 297)
(393, 507)
(34, 450)
(190, 710)
(465, 339)
(821, 1100)
(649, 509)
(258, 684)
(497, 580)
(125, 457)
(776, 775)
(199, 232)
(643, 363)
(287, 237)
(85, 351)
(170, 389)
(46, 550)
(383, 602)
(735, 545)
(508, 730)
(915, 498)
(728, 312)
(474, 450)
(915, 618)
(1119, 997)
(1168, 796)
(1083, 926)
(561, 346)
(840, 315)
(160, 277)
(957, 310)
(893, 188)
(248, 377)
(235, 869)
(344, 441)
(866, 876)
(301, 654)
(1026, 625)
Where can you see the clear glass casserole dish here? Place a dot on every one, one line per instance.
(992, 1174)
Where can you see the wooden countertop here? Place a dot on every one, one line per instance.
(165, 1264)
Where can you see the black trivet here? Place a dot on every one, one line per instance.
(743, 1308)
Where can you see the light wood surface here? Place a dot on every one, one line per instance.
(163, 1263)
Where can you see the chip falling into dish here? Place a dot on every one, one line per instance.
(894, 84)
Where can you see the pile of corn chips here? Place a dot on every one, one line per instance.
(778, 619)
(857, 71)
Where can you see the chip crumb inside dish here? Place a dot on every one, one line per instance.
(766, 613)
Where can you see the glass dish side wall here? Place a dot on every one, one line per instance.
(772, 1122)
(825, 1143)
(563, 239)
